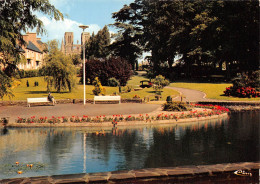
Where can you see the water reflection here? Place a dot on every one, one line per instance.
(77, 150)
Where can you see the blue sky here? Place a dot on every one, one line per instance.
(95, 13)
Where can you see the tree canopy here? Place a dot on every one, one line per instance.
(60, 73)
(97, 46)
(201, 32)
(17, 17)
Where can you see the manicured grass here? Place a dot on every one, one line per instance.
(212, 90)
(22, 92)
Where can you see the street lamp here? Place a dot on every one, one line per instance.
(84, 69)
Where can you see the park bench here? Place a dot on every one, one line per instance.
(107, 98)
(38, 100)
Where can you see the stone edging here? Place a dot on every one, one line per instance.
(174, 174)
(123, 123)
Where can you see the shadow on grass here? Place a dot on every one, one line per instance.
(153, 92)
(46, 92)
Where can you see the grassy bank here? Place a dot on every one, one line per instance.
(212, 90)
(22, 92)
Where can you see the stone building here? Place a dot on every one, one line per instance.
(68, 47)
(33, 52)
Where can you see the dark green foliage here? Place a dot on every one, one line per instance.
(17, 17)
(36, 83)
(175, 106)
(113, 82)
(248, 80)
(125, 45)
(5, 85)
(76, 59)
(245, 85)
(202, 33)
(112, 67)
(30, 73)
(97, 46)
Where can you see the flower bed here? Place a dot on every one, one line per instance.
(208, 110)
(242, 92)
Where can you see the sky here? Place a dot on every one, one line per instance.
(94, 13)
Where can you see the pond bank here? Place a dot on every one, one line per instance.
(156, 117)
(235, 106)
(183, 174)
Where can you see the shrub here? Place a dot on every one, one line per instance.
(98, 88)
(113, 82)
(159, 83)
(241, 92)
(127, 89)
(175, 106)
(245, 85)
(29, 73)
(113, 67)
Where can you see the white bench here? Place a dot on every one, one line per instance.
(38, 100)
(107, 98)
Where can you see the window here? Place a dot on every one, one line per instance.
(37, 63)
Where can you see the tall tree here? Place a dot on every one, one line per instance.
(60, 73)
(125, 45)
(97, 46)
(199, 31)
(17, 17)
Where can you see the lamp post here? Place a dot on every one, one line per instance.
(84, 69)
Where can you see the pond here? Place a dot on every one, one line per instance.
(54, 151)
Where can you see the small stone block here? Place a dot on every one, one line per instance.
(12, 181)
(96, 179)
(68, 176)
(71, 181)
(178, 171)
(123, 176)
(146, 174)
(39, 180)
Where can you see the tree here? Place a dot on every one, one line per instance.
(201, 32)
(159, 83)
(125, 45)
(97, 46)
(59, 70)
(17, 17)
(76, 59)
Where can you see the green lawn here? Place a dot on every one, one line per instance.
(22, 92)
(213, 91)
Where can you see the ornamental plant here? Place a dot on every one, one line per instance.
(98, 88)
(159, 83)
(245, 85)
(175, 106)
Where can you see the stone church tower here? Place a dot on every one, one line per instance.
(68, 42)
(68, 47)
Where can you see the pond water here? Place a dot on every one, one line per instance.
(54, 151)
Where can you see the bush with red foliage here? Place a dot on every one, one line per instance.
(241, 92)
(105, 69)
